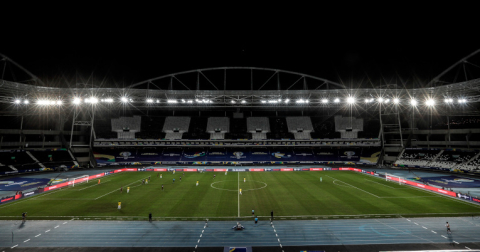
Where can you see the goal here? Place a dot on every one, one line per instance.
(79, 180)
(394, 178)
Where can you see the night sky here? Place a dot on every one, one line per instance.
(119, 50)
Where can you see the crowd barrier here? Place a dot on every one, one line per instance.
(97, 176)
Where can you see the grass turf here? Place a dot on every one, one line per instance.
(288, 194)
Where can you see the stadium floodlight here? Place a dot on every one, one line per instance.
(26, 102)
(149, 100)
(243, 101)
(233, 102)
(448, 100)
(158, 101)
(51, 102)
(387, 100)
(124, 99)
(413, 102)
(430, 102)
(171, 101)
(396, 100)
(59, 102)
(42, 102)
(17, 101)
(324, 101)
(263, 101)
(380, 99)
(300, 101)
(279, 100)
(462, 100)
(189, 101)
(367, 100)
(350, 100)
(287, 100)
(336, 100)
(272, 101)
(77, 100)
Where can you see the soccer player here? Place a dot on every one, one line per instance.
(24, 217)
(146, 181)
(150, 217)
(173, 171)
(197, 182)
(121, 189)
(214, 176)
(161, 176)
(256, 220)
(225, 172)
(240, 191)
(128, 189)
(99, 181)
(253, 212)
(162, 187)
(180, 178)
(173, 181)
(244, 180)
(448, 228)
(271, 214)
(320, 179)
(119, 205)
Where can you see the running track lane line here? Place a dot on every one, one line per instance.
(204, 227)
(276, 235)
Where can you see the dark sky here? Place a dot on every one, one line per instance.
(392, 47)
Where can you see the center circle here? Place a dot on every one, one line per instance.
(261, 186)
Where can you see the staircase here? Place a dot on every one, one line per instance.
(35, 159)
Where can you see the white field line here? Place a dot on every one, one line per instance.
(30, 198)
(354, 187)
(383, 184)
(92, 186)
(238, 192)
(45, 194)
(116, 190)
(470, 203)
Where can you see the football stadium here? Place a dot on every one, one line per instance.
(239, 159)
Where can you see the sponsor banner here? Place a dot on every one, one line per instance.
(160, 169)
(334, 169)
(286, 169)
(209, 170)
(276, 169)
(6, 199)
(18, 196)
(256, 169)
(355, 169)
(28, 194)
(316, 169)
(130, 169)
(344, 169)
(475, 200)
(464, 196)
(190, 170)
(220, 170)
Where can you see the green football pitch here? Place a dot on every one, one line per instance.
(290, 195)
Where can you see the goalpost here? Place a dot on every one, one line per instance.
(394, 178)
(78, 180)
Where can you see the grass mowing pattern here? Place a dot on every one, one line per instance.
(288, 194)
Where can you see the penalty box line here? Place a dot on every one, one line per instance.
(354, 187)
(116, 190)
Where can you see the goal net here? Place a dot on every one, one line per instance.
(79, 180)
(394, 178)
